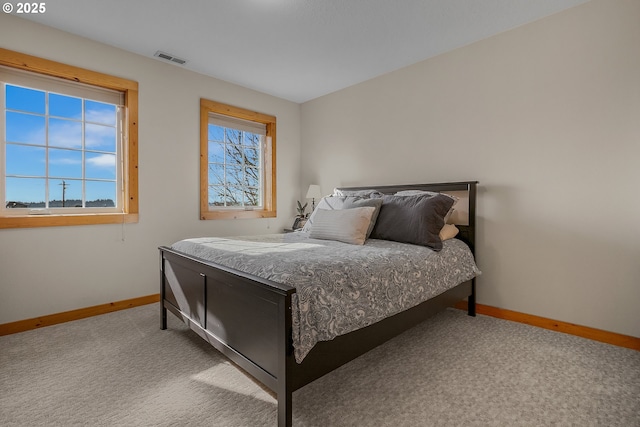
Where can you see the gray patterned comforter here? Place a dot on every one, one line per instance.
(340, 287)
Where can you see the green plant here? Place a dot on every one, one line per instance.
(301, 209)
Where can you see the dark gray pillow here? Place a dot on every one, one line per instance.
(412, 219)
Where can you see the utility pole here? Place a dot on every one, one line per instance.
(64, 187)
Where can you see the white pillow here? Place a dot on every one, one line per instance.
(326, 203)
(345, 202)
(343, 225)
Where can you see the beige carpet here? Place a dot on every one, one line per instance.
(120, 369)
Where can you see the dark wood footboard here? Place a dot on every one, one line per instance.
(244, 317)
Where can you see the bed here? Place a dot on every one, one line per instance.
(258, 316)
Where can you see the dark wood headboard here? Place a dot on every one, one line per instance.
(467, 231)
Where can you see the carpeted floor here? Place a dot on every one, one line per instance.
(120, 369)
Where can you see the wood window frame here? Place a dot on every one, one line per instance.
(130, 212)
(268, 209)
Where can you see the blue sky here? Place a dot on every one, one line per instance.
(26, 120)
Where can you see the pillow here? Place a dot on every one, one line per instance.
(433, 193)
(413, 219)
(449, 231)
(365, 194)
(343, 225)
(415, 192)
(349, 202)
(327, 203)
(353, 202)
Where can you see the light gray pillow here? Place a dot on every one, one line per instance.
(353, 202)
(413, 219)
(342, 225)
(348, 202)
(326, 203)
(367, 193)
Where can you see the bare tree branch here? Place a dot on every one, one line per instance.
(236, 182)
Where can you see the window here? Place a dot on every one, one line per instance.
(69, 145)
(237, 168)
(62, 152)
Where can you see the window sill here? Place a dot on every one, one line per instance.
(238, 214)
(30, 221)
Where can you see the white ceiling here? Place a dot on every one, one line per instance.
(294, 49)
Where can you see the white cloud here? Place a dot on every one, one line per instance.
(100, 116)
(99, 136)
(102, 161)
(64, 161)
(64, 133)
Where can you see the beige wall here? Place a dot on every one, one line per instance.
(547, 118)
(51, 270)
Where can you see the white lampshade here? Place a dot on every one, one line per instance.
(314, 192)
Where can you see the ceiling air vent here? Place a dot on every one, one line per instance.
(168, 57)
